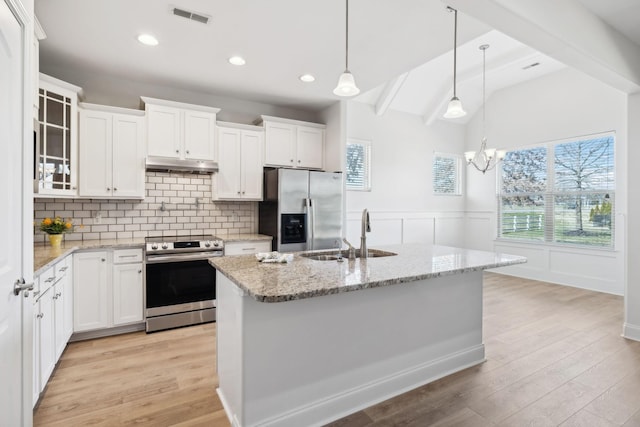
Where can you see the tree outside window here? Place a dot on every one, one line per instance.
(561, 192)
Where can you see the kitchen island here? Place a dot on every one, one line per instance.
(311, 341)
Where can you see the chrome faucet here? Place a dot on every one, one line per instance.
(366, 227)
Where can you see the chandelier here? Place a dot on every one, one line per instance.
(486, 158)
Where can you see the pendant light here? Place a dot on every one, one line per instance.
(346, 82)
(454, 109)
(486, 158)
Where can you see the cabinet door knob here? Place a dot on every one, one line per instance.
(115, 189)
(187, 151)
(238, 192)
(40, 315)
(102, 259)
(291, 160)
(108, 189)
(298, 161)
(139, 271)
(177, 151)
(243, 192)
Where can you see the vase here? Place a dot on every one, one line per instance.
(55, 240)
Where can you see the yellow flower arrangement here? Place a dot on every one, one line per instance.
(56, 225)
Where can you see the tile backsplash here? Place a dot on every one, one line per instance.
(174, 204)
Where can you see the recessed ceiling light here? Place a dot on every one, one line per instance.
(148, 40)
(307, 78)
(237, 60)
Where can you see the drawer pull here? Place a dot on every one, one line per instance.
(128, 256)
(64, 268)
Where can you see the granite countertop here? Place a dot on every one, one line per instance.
(307, 278)
(44, 256)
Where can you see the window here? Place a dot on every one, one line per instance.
(562, 192)
(358, 165)
(446, 174)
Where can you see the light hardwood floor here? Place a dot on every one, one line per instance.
(554, 357)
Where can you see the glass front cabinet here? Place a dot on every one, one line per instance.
(56, 139)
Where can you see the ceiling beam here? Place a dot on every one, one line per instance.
(566, 31)
(389, 93)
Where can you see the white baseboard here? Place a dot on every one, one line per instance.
(631, 332)
(100, 333)
(340, 405)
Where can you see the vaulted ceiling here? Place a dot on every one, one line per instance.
(400, 51)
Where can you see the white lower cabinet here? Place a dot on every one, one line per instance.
(90, 291)
(52, 321)
(247, 247)
(108, 289)
(127, 293)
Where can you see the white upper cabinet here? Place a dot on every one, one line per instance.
(57, 150)
(292, 143)
(180, 131)
(239, 175)
(111, 152)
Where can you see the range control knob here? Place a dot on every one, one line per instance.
(216, 243)
(154, 246)
(165, 245)
(207, 244)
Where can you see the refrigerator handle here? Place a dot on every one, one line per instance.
(310, 223)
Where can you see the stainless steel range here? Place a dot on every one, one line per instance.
(180, 283)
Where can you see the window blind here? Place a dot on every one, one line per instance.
(446, 174)
(358, 166)
(562, 192)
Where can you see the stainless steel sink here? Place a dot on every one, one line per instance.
(333, 255)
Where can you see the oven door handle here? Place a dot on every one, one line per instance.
(157, 259)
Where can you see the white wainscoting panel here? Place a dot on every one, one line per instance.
(598, 270)
(418, 230)
(387, 228)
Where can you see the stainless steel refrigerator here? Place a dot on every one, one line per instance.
(301, 210)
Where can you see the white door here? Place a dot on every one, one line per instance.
(251, 165)
(128, 156)
(163, 131)
(127, 294)
(12, 362)
(280, 143)
(95, 156)
(227, 179)
(310, 147)
(90, 291)
(199, 136)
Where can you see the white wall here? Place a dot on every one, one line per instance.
(632, 291)
(557, 106)
(121, 92)
(401, 202)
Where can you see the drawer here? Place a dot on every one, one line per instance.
(247, 247)
(126, 256)
(46, 280)
(63, 268)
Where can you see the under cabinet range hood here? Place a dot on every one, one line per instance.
(164, 164)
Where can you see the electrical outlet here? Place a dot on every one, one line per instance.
(98, 218)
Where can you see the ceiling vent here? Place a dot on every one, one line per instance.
(198, 17)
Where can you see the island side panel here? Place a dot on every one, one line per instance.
(310, 361)
(229, 329)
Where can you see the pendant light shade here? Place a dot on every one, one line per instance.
(346, 85)
(454, 109)
(346, 82)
